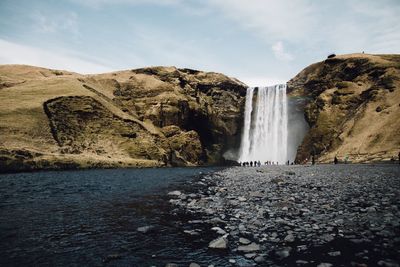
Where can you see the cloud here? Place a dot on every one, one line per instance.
(166, 47)
(381, 25)
(102, 3)
(55, 23)
(280, 53)
(188, 7)
(13, 53)
(260, 80)
(43, 24)
(272, 19)
(346, 26)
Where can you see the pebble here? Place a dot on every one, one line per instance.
(327, 237)
(175, 193)
(191, 232)
(250, 255)
(387, 263)
(259, 259)
(145, 229)
(289, 238)
(219, 243)
(112, 257)
(278, 205)
(283, 253)
(302, 262)
(244, 241)
(371, 209)
(249, 248)
(219, 230)
(334, 253)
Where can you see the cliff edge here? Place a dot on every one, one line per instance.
(352, 105)
(158, 116)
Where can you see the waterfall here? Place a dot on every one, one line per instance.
(265, 129)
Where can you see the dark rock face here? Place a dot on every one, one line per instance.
(345, 99)
(209, 104)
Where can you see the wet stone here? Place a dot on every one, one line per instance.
(259, 259)
(191, 232)
(244, 241)
(219, 230)
(316, 206)
(283, 253)
(302, 262)
(219, 243)
(334, 253)
(249, 248)
(145, 229)
(289, 238)
(250, 255)
(175, 193)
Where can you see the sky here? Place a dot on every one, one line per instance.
(260, 42)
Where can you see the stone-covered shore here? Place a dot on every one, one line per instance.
(325, 215)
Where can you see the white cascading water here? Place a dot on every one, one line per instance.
(265, 130)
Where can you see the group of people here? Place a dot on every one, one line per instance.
(250, 163)
(258, 163)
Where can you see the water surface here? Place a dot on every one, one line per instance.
(90, 218)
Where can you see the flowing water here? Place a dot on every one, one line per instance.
(265, 131)
(89, 218)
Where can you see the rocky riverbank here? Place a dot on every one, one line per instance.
(326, 215)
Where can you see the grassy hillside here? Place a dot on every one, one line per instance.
(353, 108)
(146, 117)
(164, 116)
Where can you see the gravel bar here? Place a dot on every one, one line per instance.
(323, 215)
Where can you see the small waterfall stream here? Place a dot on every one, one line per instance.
(265, 131)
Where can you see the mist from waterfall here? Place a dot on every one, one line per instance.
(265, 130)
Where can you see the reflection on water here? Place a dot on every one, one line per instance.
(90, 217)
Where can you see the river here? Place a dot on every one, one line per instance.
(90, 218)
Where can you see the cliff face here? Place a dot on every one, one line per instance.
(352, 107)
(160, 116)
(164, 116)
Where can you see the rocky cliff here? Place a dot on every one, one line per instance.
(159, 116)
(164, 116)
(352, 105)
